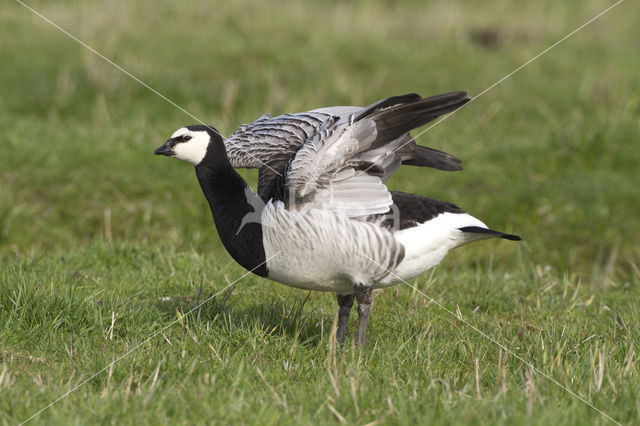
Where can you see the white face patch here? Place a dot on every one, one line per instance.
(193, 150)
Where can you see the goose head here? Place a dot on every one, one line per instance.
(193, 143)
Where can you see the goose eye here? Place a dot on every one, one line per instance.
(186, 138)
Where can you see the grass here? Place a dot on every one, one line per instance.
(102, 245)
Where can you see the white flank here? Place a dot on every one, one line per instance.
(426, 244)
(328, 251)
(321, 250)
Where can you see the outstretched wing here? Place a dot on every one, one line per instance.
(325, 173)
(276, 140)
(344, 164)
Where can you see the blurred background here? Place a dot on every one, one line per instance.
(550, 154)
(102, 244)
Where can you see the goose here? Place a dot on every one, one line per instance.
(324, 219)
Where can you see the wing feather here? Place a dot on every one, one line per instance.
(338, 158)
(344, 163)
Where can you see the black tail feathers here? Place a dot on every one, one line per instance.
(480, 230)
(429, 157)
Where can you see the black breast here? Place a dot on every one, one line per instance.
(236, 212)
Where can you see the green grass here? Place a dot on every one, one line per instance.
(102, 245)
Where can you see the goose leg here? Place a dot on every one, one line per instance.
(345, 301)
(363, 296)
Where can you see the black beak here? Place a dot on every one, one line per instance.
(165, 149)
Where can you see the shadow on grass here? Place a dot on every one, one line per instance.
(285, 317)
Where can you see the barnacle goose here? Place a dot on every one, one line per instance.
(324, 219)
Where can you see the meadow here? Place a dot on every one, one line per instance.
(107, 252)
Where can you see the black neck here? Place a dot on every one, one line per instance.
(225, 190)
